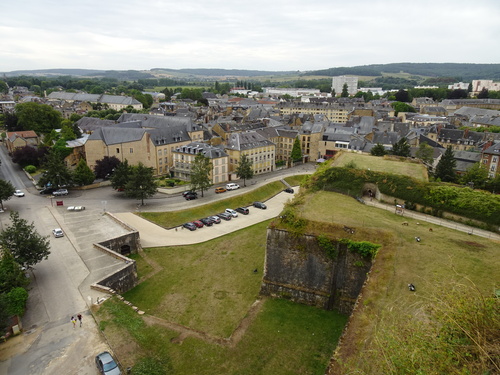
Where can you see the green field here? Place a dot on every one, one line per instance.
(382, 164)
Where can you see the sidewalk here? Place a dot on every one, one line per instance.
(436, 220)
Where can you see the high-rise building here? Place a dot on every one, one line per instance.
(339, 82)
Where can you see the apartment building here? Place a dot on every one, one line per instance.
(256, 147)
(338, 83)
(184, 157)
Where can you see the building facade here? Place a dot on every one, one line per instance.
(339, 82)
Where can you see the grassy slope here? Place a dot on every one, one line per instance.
(387, 164)
(443, 258)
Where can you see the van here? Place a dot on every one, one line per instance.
(232, 186)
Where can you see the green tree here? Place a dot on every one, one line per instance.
(56, 172)
(402, 107)
(403, 96)
(201, 168)
(4, 88)
(41, 118)
(244, 169)
(141, 184)
(378, 150)
(476, 176)
(6, 191)
(425, 153)
(401, 148)
(67, 132)
(83, 175)
(296, 154)
(106, 166)
(121, 176)
(345, 92)
(11, 274)
(445, 169)
(25, 244)
(16, 300)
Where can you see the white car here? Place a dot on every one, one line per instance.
(19, 193)
(232, 186)
(58, 233)
(60, 192)
(231, 212)
(76, 208)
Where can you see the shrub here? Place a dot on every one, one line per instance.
(30, 169)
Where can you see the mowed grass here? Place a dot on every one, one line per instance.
(382, 164)
(285, 338)
(209, 286)
(442, 259)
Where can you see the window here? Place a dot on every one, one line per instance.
(131, 150)
(117, 150)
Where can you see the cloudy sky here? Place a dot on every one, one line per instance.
(271, 35)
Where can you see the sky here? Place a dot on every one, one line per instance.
(271, 35)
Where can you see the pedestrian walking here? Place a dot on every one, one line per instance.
(80, 319)
(73, 320)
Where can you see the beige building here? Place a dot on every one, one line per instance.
(185, 155)
(334, 112)
(258, 149)
(283, 139)
(20, 139)
(115, 102)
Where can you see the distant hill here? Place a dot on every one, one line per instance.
(464, 72)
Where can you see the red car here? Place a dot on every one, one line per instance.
(198, 223)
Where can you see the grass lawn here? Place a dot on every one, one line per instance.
(382, 164)
(443, 259)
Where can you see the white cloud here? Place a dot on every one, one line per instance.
(267, 35)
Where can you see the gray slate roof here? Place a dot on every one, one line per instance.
(247, 141)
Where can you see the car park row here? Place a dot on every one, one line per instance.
(227, 215)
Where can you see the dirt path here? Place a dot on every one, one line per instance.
(184, 331)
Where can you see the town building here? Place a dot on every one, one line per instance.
(338, 83)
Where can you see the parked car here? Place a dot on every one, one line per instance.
(60, 192)
(289, 190)
(189, 226)
(220, 190)
(231, 212)
(207, 221)
(190, 197)
(58, 233)
(106, 364)
(76, 208)
(47, 190)
(18, 193)
(198, 223)
(243, 210)
(260, 205)
(190, 192)
(232, 186)
(225, 216)
(216, 219)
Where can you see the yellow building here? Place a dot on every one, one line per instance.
(257, 148)
(184, 157)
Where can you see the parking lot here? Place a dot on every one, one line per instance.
(153, 235)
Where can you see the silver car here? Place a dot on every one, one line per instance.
(106, 364)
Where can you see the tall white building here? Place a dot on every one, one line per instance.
(339, 82)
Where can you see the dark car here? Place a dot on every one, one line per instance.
(190, 197)
(106, 364)
(243, 210)
(47, 190)
(260, 205)
(289, 190)
(189, 192)
(224, 216)
(207, 221)
(189, 226)
(198, 223)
